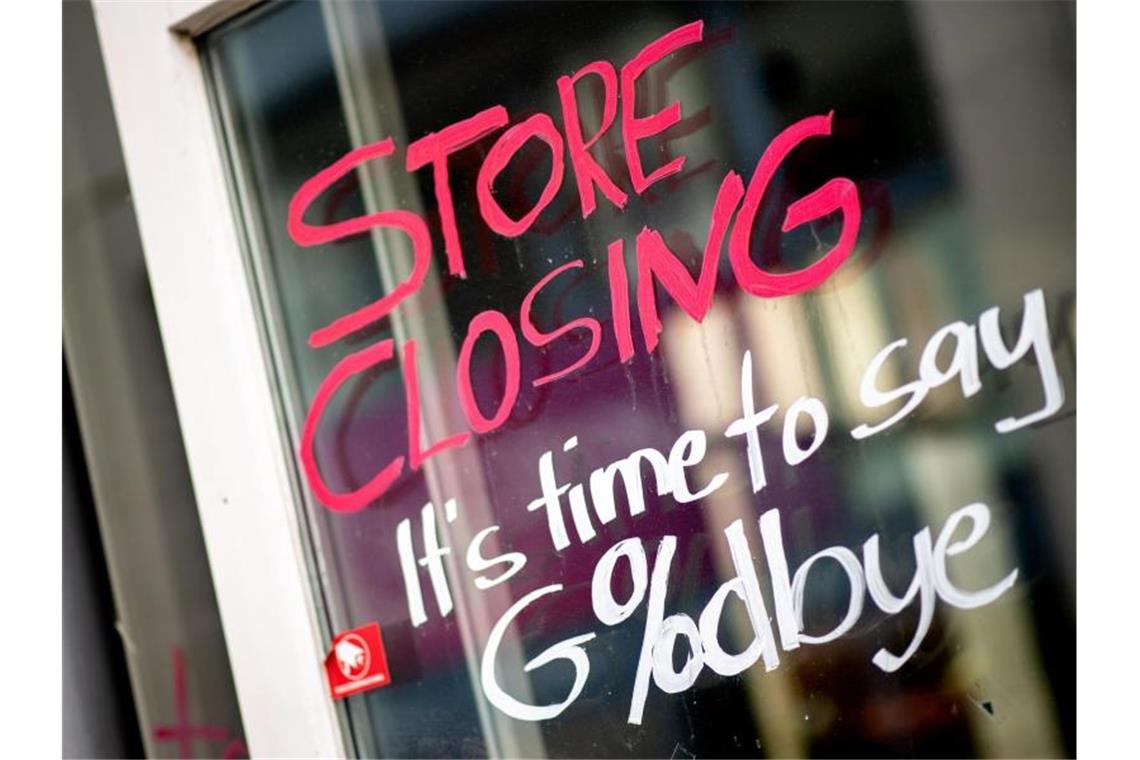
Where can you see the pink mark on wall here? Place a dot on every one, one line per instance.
(183, 731)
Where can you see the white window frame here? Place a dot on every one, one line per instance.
(220, 373)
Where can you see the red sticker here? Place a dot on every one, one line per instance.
(357, 661)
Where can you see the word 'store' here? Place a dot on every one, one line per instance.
(734, 215)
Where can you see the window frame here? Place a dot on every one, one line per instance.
(237, 451)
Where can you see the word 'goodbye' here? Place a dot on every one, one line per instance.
(656, 264)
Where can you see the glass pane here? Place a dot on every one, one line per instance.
(903, 407)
